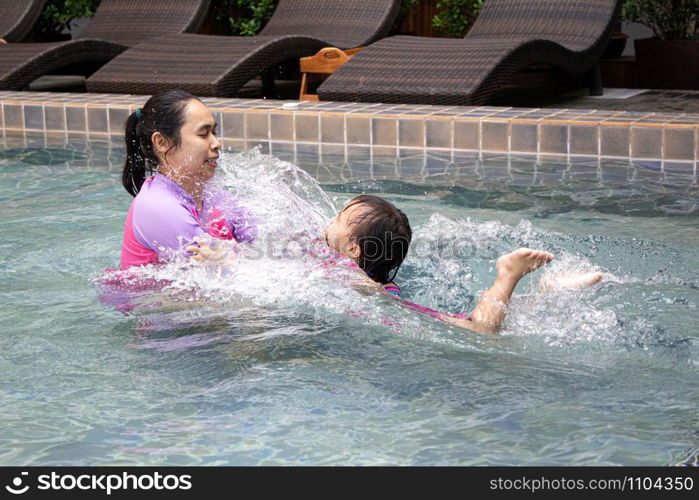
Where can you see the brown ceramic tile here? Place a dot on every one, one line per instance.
(678, 144)
(553, 139)
(217, 121)
(14, 116)
(332, 153)
(467, 135)
(332, 129)
(55, 117)
(97, 121)
(33, 117)
(683, 171)
(495, 136)
(384, 131)
(283, 150)
(411, 132)
(281, 126)
(524, 137)
(257, 125)
(234, 145)
(584, 140)
(358, 129)
(358, 171)
(308, 151)
(357, 154)
(383, 152)
(385, 164)
(76, 119)
(77, 136)
(233, 125)
(56, 138)
(15, 134)
(117, 119)
(306, 125)
(553, 158)
(646, 142)
(438, 133)
(614, 141)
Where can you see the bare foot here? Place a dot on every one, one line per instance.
(522, 261)
(571, 281)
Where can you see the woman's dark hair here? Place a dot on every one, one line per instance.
(164, 113)
(383, 234)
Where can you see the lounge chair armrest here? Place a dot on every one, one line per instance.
(325, 62)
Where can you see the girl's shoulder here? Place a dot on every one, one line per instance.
(392, 288)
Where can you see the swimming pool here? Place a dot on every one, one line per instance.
(282, 375)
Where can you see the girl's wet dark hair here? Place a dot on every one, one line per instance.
(383, 234)
(164, 113)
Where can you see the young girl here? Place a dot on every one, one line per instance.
(375, 235)
(171, 152)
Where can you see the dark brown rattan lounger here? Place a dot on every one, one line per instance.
(17, 18)
(508, 35)
(219, 65)
(117, 25)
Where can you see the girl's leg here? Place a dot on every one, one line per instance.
(490, 311)
(570, 281)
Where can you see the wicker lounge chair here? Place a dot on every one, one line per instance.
(117, 25)
(220, 65)
(508, 35)
(17, 18)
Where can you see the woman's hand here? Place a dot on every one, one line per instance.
(204, 253)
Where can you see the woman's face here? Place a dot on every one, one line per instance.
(195, 160)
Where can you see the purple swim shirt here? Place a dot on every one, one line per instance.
(163, 219)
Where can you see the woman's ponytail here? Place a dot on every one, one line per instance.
(136, 166)
(164, 113)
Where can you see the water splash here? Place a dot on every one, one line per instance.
(286, 271)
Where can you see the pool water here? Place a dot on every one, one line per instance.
(286, 362)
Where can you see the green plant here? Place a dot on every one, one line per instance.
(57, 15)
(669, 19)
(455, 17)
(406, 6)
(243, 17)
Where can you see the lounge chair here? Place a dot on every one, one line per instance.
(507, 36)
(17, 18)
(208, 65)
(117, 25)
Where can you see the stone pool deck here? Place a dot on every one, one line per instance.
(361, 132)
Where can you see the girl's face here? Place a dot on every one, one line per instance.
(195, 160)
(338, 234)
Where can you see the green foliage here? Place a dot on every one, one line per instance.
(456, 16)
(243, 17)
(669, 19)
(405, 7)
(57, 15)
(247, 17)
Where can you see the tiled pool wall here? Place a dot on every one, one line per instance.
(407, 138)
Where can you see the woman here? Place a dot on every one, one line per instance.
(171, 152)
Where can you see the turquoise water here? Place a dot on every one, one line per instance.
(285, 366)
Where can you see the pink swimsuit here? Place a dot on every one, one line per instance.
(163, 218)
